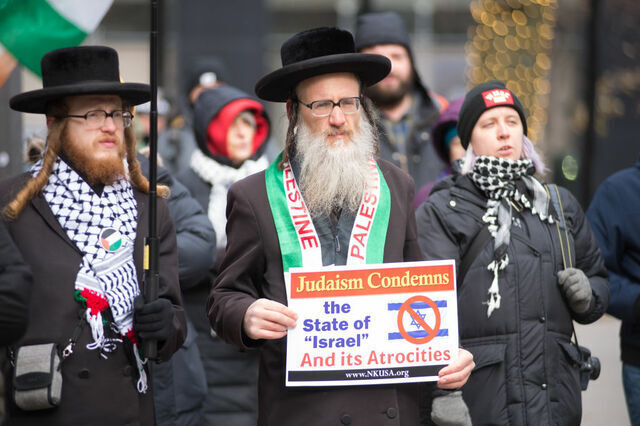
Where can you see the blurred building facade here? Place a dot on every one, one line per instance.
(577, 62)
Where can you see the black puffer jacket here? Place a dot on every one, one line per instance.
(524, 371)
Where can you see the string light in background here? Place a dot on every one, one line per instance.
(512, 42)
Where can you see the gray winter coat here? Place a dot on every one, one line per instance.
(180, 386)
(421, 161)
(525, 364)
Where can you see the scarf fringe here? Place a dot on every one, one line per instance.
(494, 290)
(142, 384)
(97, 330)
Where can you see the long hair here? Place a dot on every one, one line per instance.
(53, 148)
(370, 114)
(135, 171)
(528, 151)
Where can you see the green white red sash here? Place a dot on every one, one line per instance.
(299, 241)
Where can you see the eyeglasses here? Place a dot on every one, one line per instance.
(324, 107)
(96, 119)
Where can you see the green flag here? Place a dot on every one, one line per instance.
(31, 28)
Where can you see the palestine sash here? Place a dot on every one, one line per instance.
(299, 241)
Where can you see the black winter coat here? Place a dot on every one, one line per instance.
(94, 390)
(252, 268)
(15, 289)
(232, 375)
(525, 364)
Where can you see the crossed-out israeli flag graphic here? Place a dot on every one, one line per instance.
(413, 328)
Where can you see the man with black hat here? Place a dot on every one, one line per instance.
(330, 149)
(79, 218)
(408, 109)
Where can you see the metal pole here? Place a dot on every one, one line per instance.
(151, 282)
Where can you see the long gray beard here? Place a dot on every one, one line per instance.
(334, 176)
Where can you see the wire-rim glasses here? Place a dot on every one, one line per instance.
(324, 107)
(96, 119)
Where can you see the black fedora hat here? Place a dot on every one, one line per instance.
(315, 52)
(80, 70)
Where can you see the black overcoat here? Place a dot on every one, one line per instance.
(252, 269)
(526, 371)
(95, 391)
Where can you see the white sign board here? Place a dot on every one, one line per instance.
(371, 324)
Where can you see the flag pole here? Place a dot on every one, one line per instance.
(151, 275)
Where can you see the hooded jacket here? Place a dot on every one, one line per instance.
(231, 375)
(614, 214)
(208, 106)
(526, 370)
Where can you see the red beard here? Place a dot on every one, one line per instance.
(82, 157)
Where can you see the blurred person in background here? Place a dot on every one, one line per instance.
(520, 294)
(15, 288)
(231, 130)
(15, 291)
(407, 108)
(142, 122)
(180, 385)
(447, 144)
(614, 214)
(204, 72)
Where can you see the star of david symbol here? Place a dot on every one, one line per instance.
(414, 322)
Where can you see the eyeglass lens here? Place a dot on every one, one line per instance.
(97, 118)
(347, 105)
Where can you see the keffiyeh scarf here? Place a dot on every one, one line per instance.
(103, 228)
(497, 179)
(220, 177)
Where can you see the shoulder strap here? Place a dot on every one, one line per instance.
(479, 242)
(561, 225)
(567, 259)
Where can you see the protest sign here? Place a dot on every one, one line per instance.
(371, 324)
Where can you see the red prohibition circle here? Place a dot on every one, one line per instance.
(431, 332)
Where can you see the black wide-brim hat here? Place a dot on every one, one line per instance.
(80, 70)
(315, 52)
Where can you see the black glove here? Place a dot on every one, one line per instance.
(153, 320)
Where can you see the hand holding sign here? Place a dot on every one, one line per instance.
(457, 373)
(268, 319)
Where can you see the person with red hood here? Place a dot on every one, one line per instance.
(231, 130)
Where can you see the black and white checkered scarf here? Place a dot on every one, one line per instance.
(498, 179)
(103, 228)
